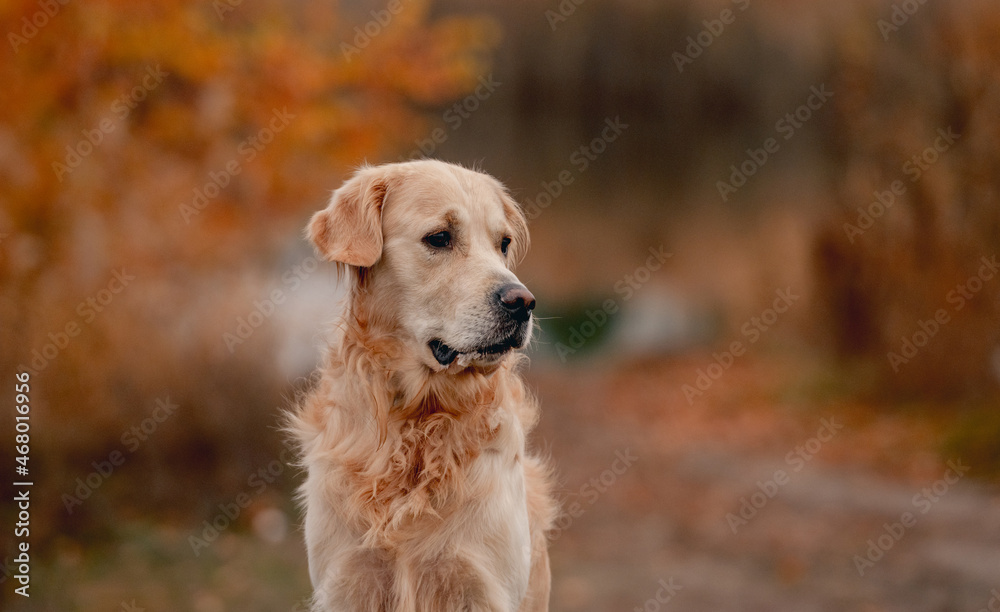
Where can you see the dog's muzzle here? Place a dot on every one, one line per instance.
(514, 304)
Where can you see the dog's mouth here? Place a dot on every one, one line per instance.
(446, 355)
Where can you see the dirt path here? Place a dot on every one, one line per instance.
(655, 487)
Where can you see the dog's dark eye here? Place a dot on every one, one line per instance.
(439, 240)
(504, 244)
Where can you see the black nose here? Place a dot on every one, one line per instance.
(517, 300)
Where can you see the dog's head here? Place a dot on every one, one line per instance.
(434, 245)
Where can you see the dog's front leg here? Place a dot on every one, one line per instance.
(449, 585)
(540, 580)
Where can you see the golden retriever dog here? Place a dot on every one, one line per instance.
(420, 494)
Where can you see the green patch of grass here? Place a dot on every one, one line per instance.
(580, 328)
(974, 437)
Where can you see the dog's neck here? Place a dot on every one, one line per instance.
(430, 425)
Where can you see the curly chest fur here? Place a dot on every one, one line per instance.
(448, 483)
(433, 465)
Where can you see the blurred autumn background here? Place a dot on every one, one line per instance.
(764, 240)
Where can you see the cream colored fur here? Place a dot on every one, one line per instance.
(420, 494)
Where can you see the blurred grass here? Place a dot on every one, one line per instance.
(574, 330)
(965, 428)
(975, 436)
(154, 567)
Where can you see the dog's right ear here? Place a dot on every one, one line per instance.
(349, 230)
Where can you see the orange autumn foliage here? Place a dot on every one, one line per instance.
(183, 144)
(172, 91)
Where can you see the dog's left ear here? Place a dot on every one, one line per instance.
(519, 239)
(349, 230)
